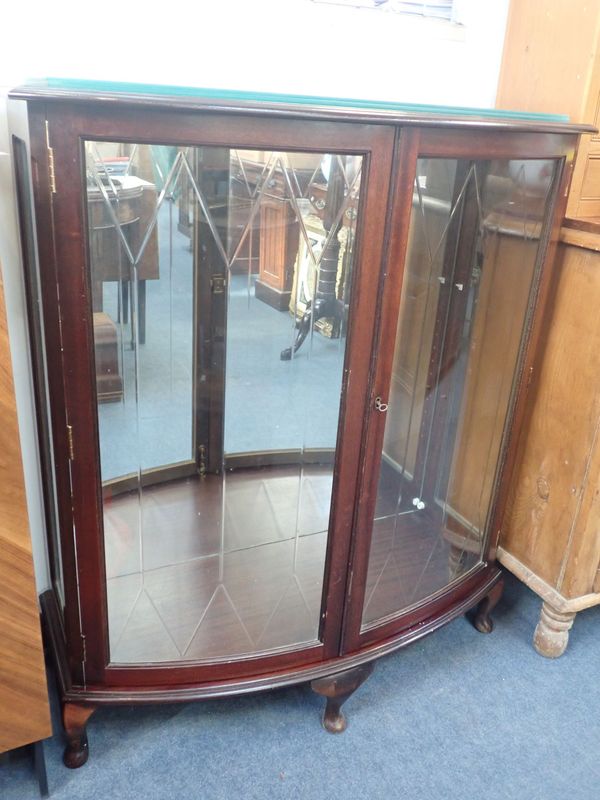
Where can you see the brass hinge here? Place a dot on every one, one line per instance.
(51, 172)
(51, 175)
(217, 284)
(70, 442)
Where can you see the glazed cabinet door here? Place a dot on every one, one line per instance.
(461, 280)
(217, 281)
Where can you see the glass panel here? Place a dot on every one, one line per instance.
(220, 290)
(83, 85)
(470, 267)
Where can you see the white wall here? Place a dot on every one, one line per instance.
(293, 46)
(276, 45)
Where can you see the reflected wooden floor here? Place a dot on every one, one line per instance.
(413, 554)
(213, 568)
(411, 559)
(202, 569)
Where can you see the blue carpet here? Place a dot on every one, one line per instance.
(457, 715)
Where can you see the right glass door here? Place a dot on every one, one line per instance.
(470, 269)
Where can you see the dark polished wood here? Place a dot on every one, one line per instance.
(399, 210)
(338, 659)
(301, 111)
(375, 143)
(482, 619)
(135, 685)
(210, 301)
(337, 689)
(58, 454)
(75, 717)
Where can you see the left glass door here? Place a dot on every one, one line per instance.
(221, 286)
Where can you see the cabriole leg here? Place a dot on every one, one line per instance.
(337, 689)
(552, 633)
(75, 717)
(482, 619)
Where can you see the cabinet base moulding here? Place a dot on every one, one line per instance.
(335, 679)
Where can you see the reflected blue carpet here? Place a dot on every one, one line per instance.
(457, 715)
(269, 404)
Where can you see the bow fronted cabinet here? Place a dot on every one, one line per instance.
(285, 348)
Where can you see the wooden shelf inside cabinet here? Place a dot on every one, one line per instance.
(299, 462)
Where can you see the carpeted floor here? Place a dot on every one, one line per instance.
(458, 715)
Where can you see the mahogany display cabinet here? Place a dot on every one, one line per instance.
(285, 347)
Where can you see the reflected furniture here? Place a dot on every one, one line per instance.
(122, 221)
(24, 705)
(550, 538)
(242, 519)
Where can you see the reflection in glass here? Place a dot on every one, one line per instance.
(220, 282)
(470, 266)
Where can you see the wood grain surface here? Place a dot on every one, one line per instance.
(24, 710)
(559, 79)
(506, 278)
(553, 522)
(553, 79)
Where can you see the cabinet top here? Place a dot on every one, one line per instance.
(289, 105)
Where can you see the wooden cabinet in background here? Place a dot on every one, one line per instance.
(550, 537)
(24, 709)
(551, 63)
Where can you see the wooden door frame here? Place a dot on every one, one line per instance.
(431, 143)
(69, 346)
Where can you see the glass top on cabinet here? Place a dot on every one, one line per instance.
(97, 87)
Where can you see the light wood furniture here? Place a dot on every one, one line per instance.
(551, 63)
(252, 566)
(551, 535)
(24, 709)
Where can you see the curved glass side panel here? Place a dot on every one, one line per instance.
(470, 268)
(220, 282)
